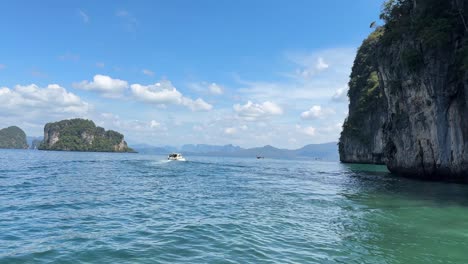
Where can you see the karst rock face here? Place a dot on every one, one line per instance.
(13, 138)
(419, 127)
(82, 135)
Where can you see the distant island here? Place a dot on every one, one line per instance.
(325, 151)
(82, 135)
(13, 138)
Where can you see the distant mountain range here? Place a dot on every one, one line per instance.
(34, 142)
(326, 151)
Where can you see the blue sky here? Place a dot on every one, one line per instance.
(249, 73)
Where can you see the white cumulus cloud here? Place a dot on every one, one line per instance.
(158, 93)
(163, 93)
(105, 85)
(196, 105)
(310, 65)
(52, 99)
(317, 112)
(253, 112)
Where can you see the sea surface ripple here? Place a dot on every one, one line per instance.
(68, 207)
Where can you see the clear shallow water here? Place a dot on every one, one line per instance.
(65, 207)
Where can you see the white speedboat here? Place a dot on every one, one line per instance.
(175, 156)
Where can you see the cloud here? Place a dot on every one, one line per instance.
(317, 112)
(309, 69)
(327, 71)
(309, 65)
(234, 130)
(310, 131)
(105, 85)
(159, 93)
(215, 89)
(2, 66)
(340, 95)
(83, 16)
(148, 72)
(321, 64)
(52, 99)
(163, 93)
(332, 128)
(253, 112)
(154, 124)
(230, 131)
(205, 87)
(196, 105)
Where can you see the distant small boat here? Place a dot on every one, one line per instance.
(176, 156)
(260, 157)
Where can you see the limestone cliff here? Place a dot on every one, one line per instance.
(421, 58)
(13, 138)
(362, 137)
(82, 135)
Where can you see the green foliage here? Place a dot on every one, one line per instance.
(365, 93)
(13, 137)
(432, 23)
(393, 9)
(82, 135)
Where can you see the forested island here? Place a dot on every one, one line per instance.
(82, 135)
(409, 92)
(13, 138)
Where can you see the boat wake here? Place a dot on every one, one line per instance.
(161, 161)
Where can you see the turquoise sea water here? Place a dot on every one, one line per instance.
(65, 207)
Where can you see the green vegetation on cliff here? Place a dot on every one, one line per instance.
(366, 96)
(13, 138)
(82, 135)
(433, 23)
